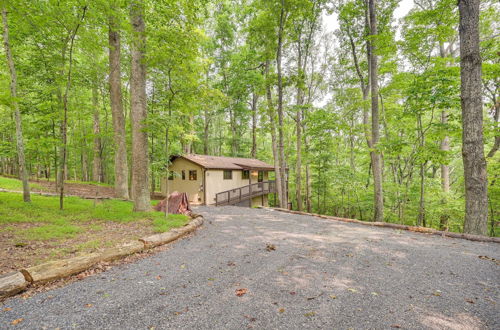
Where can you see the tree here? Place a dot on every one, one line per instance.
(375, 153)
(115, 93)
(138, 111)
(476, 182)
(15, 105)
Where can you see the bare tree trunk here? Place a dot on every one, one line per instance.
(97, 164)
(445, 143)
(206, 127)
(64, 124)
(281, 148)
(298, 128)
(138, 111)
(476, 180)
(421, 205)
(375, 154)
(270, 110)
(308, 188)
(115, 93)
(23, 173)
(255, 98)
(445, 146)
(496, 117)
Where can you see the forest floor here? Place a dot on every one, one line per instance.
(38, 232)
(262, 269)
(71, 188)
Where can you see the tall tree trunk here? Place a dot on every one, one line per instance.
(64, 125)
(421, 205)
(476, 180)
(375, 154)
(23, 173)
(445, 146)
(115, 93)
(281, 147)
(445, 142)
(138, 111)
(298, 128)
(272, 122)
(97, 164)
(206, 127)
(496, 117)
(255, 98)
(308, 188)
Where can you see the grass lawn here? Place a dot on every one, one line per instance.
(31, 233)
(14, 184)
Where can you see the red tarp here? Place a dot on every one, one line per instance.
(178, 203)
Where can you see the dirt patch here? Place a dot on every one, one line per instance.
(77, 189)
(96, 235)
(83, 190)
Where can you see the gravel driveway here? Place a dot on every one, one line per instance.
(321, 274)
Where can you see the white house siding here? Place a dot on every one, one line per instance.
(193, 188)
(217, 184)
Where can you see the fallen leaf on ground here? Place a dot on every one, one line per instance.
(333, 296)
(16, 321)
(183, 266)
(251, 319)
(437, 293)
(490, 259)
(293, 293)
(310, 314)
(158, 277)
(311, 298)
(281, 310)
(470, 301)
(395, 326)
(241, 292)
(374, 294)
(270, 247)
(89, 305)
(352, 290)
(231, 263)
(6, 309)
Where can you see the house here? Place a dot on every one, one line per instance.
(212, 180)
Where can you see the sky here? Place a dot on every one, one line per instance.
(331, 22)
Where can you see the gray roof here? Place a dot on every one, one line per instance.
(227, 163)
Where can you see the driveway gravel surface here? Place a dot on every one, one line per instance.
(298, 272)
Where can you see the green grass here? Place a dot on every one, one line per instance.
(14, 184)
(56, 224)
(172, 221)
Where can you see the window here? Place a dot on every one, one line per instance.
(193, 175)
(170, 175)
(183, 175)
(228, 175)
(260, 178)
(245, 175)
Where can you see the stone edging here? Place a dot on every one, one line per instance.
(416, 229)
(15, 282)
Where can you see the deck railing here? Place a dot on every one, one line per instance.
(240, 194)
